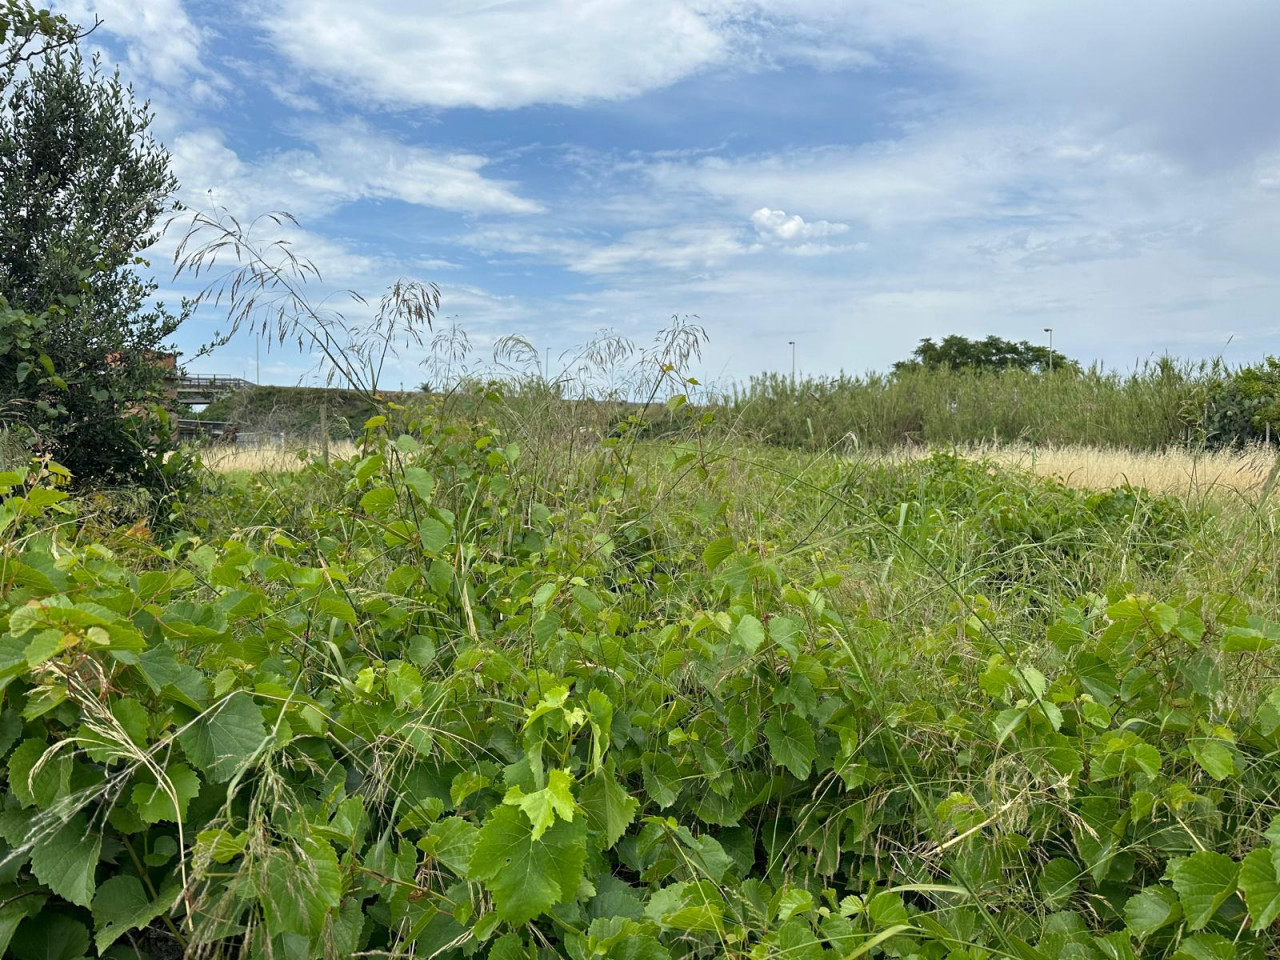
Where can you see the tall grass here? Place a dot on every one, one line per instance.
(1153, 407)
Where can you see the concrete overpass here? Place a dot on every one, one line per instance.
(203, 390)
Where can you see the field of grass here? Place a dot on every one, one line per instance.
(497, 686)
(1174, 470)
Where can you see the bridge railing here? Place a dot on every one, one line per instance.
(215, 381)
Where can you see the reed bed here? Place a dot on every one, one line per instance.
(1149, 408)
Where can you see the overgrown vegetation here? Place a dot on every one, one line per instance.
(460, 696)
(294, 411)
(571, 667)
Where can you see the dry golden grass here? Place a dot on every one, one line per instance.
(1179, 472)
(265, 459)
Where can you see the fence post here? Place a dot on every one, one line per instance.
(324, 431)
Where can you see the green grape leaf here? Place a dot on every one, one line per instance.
(717, 552)
(1059, 879)
(707, 855)
(121, 905)
(661, 778)
(1204, 880)
(1260, 884)
(435, 535)
(1214, 756)
(1149, 910)
(14, 911)
(749, 633)
(794, 902)
(66, 859)
(451, 841)
(528, 877)
(153, 801)
(50, 936)
(543, 806)
(791, 743)
(298, 888)
(378, 501)
(225, 737)
(608, 807)
(1206, 946)
(43, 786)
(420, 482)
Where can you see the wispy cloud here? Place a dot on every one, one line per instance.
(160, 42)
(341, 164)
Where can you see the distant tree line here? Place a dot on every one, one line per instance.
(991, 353)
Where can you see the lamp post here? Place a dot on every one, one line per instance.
(1049, 331)
(793, 361)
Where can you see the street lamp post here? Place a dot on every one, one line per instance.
(1049, 331)
(793, 361)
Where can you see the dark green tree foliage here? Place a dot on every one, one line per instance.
(1245, 406)
(992, 353)
(83, 185)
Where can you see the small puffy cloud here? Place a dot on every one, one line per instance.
(775, 224)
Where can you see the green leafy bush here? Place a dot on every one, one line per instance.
(83, 185)
(1245, 408)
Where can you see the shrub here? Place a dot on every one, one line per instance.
(82, 186)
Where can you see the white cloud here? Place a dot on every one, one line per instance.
(1189, 78)
(453, 53)
(534, 241)
(680, 248)
(161, 43)
(1192, 79)
(948, 172)
(775, 224)
(343, 164)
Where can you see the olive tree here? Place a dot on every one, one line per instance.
(84, 186)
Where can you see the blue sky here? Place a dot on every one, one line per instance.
(851, 175)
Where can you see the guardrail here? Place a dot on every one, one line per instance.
(206, 388)
(215, 381)
(217, 430)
